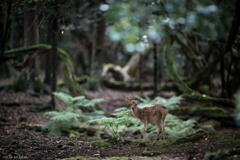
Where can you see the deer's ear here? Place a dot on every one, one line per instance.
(127, 99)
(138, 100)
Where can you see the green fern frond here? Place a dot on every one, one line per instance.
(170, 103)
(121, 111)
(51, 113)
(66, 98)
(79, 98)
(59, 117)
(92, 115)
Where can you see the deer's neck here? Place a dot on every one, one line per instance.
(136, 111)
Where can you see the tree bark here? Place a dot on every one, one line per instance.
(97, 53)
(48, 59)
(17, 28)
(5, 30)
(30, 38)
(54, 59)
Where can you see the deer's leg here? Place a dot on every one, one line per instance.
(163, 132)
(144, 131)
(159, 131)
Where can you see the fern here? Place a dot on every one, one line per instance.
(170, 103)
(63, 121)
(114, 125)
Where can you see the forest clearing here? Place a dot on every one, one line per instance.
(108, 79)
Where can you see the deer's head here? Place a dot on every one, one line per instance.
(133, 103)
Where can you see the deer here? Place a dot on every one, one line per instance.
(146, 115)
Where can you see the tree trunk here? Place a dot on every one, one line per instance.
(17, 28)
(97, 53)
(48, 59)
(54, 58)
(4, 28)
(30, 38)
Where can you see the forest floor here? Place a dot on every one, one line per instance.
(20, 142)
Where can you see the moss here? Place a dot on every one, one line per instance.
(8, 139)
(210, 123)
(73, 158)
(60, 145)
(151, 153)
(212, 111)
(108, 65)
(12, 103)
(190, 138)
(70, 143)
(142, 144)
(99, 143)
(117, 158)
(23, 119)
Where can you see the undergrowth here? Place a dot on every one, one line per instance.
(64, 121)
(122, 124)
(114, 125)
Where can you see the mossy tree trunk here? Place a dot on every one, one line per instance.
(188, 92)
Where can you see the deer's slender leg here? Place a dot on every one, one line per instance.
(144, 130)
(163, 132)
(159, 131)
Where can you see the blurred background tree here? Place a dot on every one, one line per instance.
(201, 34)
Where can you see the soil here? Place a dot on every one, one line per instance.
(19, 142)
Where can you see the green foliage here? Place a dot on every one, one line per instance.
(114, 125)
(64, 121)
(237, 109)
(170, 103)
(174, 127)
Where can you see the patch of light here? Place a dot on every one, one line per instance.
(130, 47)
(139, 47)
(115, 36)
(104, 7)
(144, 37)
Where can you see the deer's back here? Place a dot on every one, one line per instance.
(158, 111)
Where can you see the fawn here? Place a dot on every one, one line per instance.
(146, 115)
